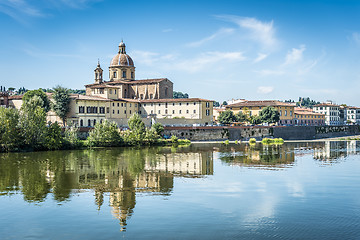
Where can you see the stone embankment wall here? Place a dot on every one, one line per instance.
(259, 132)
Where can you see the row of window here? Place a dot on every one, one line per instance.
(307, 116)
(92, 109)
(285, 113)
(123, 74)
(173, 111)
(90, 123)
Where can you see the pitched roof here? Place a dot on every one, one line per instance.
(141, 81)
(306, 111)
(263, 103)
(326, 105)
(86, 97)
(175, 100)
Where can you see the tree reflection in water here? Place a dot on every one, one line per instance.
(121, 172)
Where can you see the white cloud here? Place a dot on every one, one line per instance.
(265, 89)
(260, 57)
(295, 55)
(262, 32)
(220, 32)
(150, 58)
(356, 37)
(268, 72)
(208, 59)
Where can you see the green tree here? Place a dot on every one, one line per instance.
(226, 117)
(61, 104)
(269, 115)
(224, 103)
(33, 123)
(53, 137)
(45, 103)
(216, 104)
(136, 124)
(10, 131)
(241, 117)
(71, 138)
(158, 128)
(105, 134)
(180, 95)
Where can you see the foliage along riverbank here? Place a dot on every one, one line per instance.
(27, 130)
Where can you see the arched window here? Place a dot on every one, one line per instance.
(89, 123)
(81, 123)
(114, 74)
(124, 74)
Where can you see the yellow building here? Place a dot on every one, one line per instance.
(119, 98)
(305, 116)
(286, 110)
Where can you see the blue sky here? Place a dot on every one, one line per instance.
(211, 49)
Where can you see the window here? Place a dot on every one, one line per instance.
(166, 105)
(207, 112)
(94, 122)
(115, 91)
(151, 96)
(130, 111)
(187, 104)
(159, 104)
(122, 104)
(102, 109)
(124, 74)
(152, 111)
(285, 113)
(125, 111)
(114, 74)
(187, 111)
(113, 111)
(81, 123)
(194, 111)
(110, 91)
(179, 104)
(130, 105)
(135, 104)
(207, 104)
(89, 123)
(173, 111)
(81, 109)
(113, 104)
(159, 111)
(118, 111)
(194, 103)
(280, 112)
(118, 104)
(173, 104)
(107, 110)
(290, 113)
(179, 111)
(166, 111)
(132, 74)
(141, 96)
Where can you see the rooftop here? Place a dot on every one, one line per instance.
(263, 103)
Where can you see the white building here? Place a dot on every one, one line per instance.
(353, 115)
(331, 111)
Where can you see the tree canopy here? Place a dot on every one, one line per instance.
(180, 95)
(45, 103)
(61, 104)
(269, 115)
(227, 117)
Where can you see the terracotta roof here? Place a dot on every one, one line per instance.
(16, 97)
(86, 97)
(175, 100)
(264, 103)
(350, 107)
(141, 81)
(300, 112)
(326, 105)
(122, 59)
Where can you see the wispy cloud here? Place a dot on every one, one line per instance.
(220, 32)
(265, 89)
(20, 10)
(295, 55)
(356, 37)
(194, 64)
(262, 32)
(39, 54)
(260, 57)
(268, 72)
(167, 30)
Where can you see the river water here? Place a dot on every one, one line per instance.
(203, 191)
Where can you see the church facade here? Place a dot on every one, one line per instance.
(121, 96)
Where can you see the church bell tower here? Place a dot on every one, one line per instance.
(98, 73)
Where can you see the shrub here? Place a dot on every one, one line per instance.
(71, 138)
(252, 140)
(227, 142)
(267, 141)
(104, 134)
(278, 140)
(53, 137)
(174, 139)
(158, 127)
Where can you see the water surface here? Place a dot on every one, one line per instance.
(292, 191)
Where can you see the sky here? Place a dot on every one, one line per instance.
(217, 50)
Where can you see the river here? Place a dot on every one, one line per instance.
(308, 190)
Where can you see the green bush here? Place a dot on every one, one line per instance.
(104, 134)
(158, 128)
(71, 139)
(227, 142)
(174, 139)
(53, 137)
(267, 141)
(252, 140)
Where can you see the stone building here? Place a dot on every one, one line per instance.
(306, 117)
(122, 96)
(286, 110)
(4, 99)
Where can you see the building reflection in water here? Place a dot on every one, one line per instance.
(118, 175)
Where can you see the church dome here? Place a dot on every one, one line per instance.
(122, 59)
